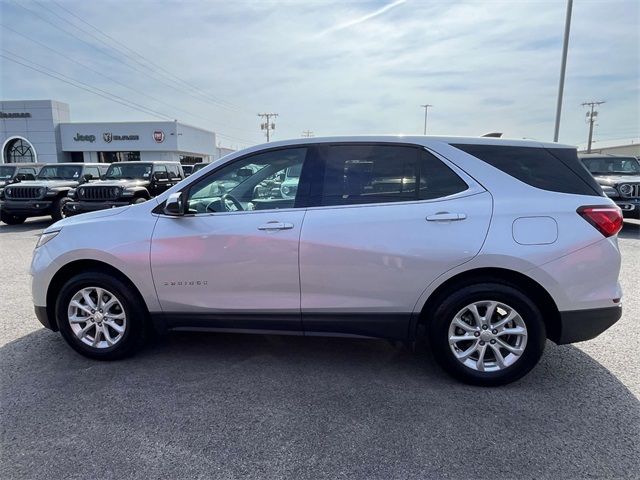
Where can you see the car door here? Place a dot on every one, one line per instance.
(232, 260)
(372, 242)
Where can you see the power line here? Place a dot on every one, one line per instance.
(591, 118)
(112, 79)
(144, 71)
(146, 60)
(86, 88)
(102, 93)
(268, 125)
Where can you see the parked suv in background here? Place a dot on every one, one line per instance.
(486, 247)
(17, 172)
(47, 194)
(619, 177)
(123, 184)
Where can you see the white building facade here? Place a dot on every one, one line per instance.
(41, 131)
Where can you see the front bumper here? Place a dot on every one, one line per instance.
(581, 325)
(76, 207)
(629, 206)
(28, 208)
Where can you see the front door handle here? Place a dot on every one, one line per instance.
(276, 226)
(446, 217)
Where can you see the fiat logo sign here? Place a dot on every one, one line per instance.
(158, 136)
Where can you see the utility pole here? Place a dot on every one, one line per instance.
(268, 125)
(563, 68)
(307, 134)
(591, 118)
(426, 109)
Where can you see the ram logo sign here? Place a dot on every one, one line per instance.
(158, 136)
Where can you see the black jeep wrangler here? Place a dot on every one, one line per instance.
(125, 183)
(47, 194)
(619, 177)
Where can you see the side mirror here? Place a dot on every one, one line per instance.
(158, 176)
(87, 177)
(173, 206)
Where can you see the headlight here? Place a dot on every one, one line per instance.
(625, 189)
(9, 190)
(115, 191)
(285, 190)
(81, 192)
(46, 237)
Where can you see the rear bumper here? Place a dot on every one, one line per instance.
(27, 208)
(581, 325)
(73, 208)
(43, 317)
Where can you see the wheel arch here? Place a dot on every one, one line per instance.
(538, 294)
(80, 266)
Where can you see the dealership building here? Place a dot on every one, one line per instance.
(42, 131)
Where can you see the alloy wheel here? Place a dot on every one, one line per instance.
(97, 317)
(487, 336)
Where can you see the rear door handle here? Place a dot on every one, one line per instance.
(276, 226)
(446, 217)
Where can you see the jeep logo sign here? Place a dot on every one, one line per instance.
(158, 136)
(107, 137)
(84, 138)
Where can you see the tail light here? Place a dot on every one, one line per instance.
(607, 219)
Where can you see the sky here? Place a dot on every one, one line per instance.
(333, 68)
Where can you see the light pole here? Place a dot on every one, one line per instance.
(563, 68)
(426, 109)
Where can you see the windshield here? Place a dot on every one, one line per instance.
(60, 172)
(129, 170)
(6, 172)
(613, 165)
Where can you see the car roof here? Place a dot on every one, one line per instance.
(74, 164)
(425, 140)
(24, 164)
(133, 162)
(603, 155)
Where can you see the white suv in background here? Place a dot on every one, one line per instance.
(486, 247)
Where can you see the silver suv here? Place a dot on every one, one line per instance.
(485, 247)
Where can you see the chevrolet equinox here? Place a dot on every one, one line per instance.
(484, 247)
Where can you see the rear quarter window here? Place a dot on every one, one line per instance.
(556, 169)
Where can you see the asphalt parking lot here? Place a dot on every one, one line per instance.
(231, 406)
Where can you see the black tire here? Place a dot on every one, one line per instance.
(12, 219)
(134, 333)
(139, 200)
(58, 211)
(446, 310)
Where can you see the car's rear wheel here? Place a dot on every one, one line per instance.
(12, 219)
(487, 334)
(99, 316)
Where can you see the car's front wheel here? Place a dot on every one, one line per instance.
(58, 209)
(99, 316)
(12, 219)
(487, 334)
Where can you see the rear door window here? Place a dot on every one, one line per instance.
(555, 169)
(361, 174)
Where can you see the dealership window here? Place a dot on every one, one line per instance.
(19, 150)
(110, 157)
(190, 160)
